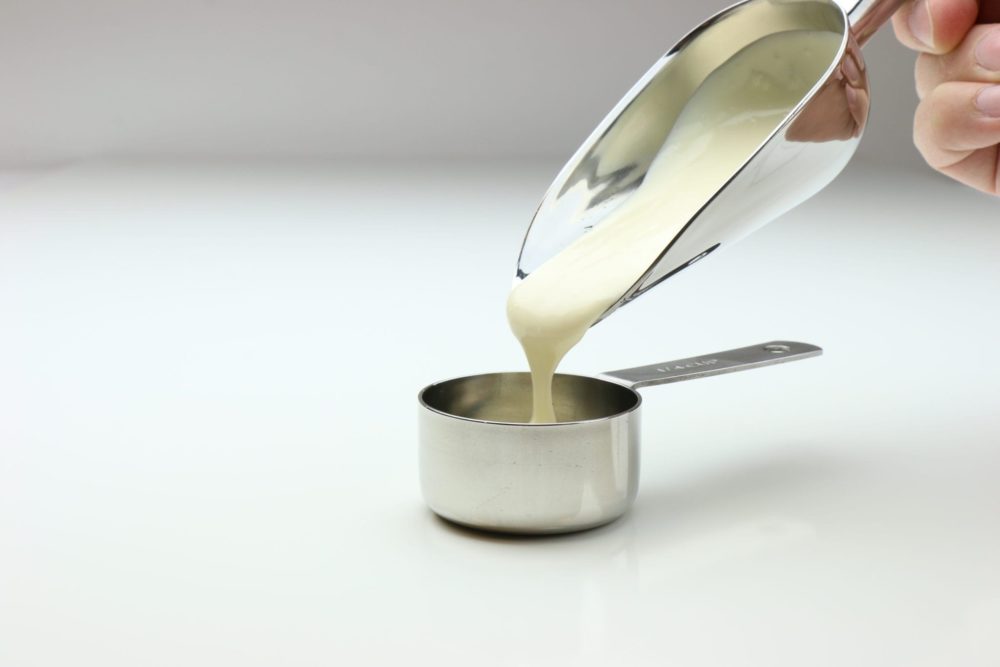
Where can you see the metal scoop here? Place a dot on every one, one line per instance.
(802, 156)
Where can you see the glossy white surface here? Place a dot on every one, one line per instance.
(207, 429)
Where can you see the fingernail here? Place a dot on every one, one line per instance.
(920, 23)
(988, 101)
(988, 51)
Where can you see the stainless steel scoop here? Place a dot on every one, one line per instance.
(801, 157)
(482, 465)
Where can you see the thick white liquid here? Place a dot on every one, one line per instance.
(730, 115)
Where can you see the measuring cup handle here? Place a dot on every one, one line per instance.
(730, 361)
(867, 16)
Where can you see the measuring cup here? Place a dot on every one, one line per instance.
(482, 465)
(805, 153)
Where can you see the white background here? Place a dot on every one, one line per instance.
(348, 77)
(209, 365)
(207, 420)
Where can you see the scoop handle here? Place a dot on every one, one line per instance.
(730, 361)
(867, 16)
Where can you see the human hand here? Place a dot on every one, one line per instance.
(957, 124)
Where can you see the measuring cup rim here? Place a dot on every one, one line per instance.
(635, 407)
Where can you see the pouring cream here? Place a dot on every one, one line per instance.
(727, 118)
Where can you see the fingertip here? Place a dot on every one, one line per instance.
(935, 124)
(949, 21)
(955, 119)
(934, 26)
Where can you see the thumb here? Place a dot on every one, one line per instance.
(935, 26)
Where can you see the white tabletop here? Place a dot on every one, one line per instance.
(208, 448)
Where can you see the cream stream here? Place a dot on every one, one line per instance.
(729, 116)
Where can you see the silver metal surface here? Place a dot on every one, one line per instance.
(801, 157)
(482, 465)
(744, 358)
(867, 16)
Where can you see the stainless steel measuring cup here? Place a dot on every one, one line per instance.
(482, 465)
(810, 147)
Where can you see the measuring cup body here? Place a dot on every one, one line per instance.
(507, 476)
(482, 465)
